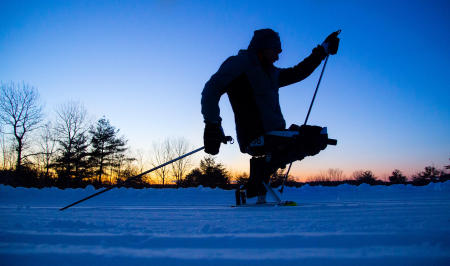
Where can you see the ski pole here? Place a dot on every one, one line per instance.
(284, 179)
(331, 142)
(307, 116)
(317, 88)
(228, 139)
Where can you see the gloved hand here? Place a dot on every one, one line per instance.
(331, 43)
(212, 137)
(313, 142)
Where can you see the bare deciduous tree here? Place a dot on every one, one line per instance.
(7, 153)
(162, 152)
(180, 168)
(335, 174)
(140, 160)
(71, 127)
(47, 145)
(20, 112)
(132, 165)
(332, 174)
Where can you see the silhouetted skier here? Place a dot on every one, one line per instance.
(252, 82)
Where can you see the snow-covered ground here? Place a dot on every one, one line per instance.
(344, 225)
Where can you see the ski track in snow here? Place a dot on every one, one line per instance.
(344, 225)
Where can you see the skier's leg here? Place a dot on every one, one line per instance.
(281, 148)
(254, 183)
(260, 172)
(296, 143)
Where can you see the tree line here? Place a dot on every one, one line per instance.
(70, 151)
(332, 177)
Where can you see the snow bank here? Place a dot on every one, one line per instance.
(207, 196)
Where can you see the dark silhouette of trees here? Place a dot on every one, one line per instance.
(81, 163)
(214, 174)
(162, 152)
(397, 177)
(71, 128)
(192, 179)
(167, 150)
(179, 147)
(242, 179)
(445, 175)
(365, 177)
(332, 174)
(21, 113)
(47, 145)
(209, 174)
(107, 147)
(430, 174)
(70, 153)
(120, 161)
(7, 152)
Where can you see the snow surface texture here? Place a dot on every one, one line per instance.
(344, 225)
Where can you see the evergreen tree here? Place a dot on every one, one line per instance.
(365, 177)
(430, 174)
(106, 147)
(210, 174)
(82, 168)
(72, 165)
(192, 179)
(71, 160)
(397, 177)
(214, 174)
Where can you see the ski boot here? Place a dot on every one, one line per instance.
(241, 198)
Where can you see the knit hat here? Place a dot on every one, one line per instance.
(265, 39)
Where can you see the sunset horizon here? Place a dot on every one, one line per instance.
(139, 65)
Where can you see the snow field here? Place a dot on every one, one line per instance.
(344, 225)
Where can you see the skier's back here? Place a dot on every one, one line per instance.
(252, 82)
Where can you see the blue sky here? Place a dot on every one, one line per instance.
(385, 95)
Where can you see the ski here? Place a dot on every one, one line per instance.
(267, 204)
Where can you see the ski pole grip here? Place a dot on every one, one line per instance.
(332, 141)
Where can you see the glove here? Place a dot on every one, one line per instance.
(212, 137)
(331, 43)
(311, 138)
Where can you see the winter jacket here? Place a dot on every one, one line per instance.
(253, 92)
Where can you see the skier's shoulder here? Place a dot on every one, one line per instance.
(238, 62)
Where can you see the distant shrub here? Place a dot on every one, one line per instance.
(331, 175)
(209, 174)
(430, 174)
(365, 177)
(192, 179)
(25, 177)
(397, 177)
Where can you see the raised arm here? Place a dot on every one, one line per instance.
(302, 70)
(299, 72)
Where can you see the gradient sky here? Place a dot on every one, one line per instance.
(143, 64)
